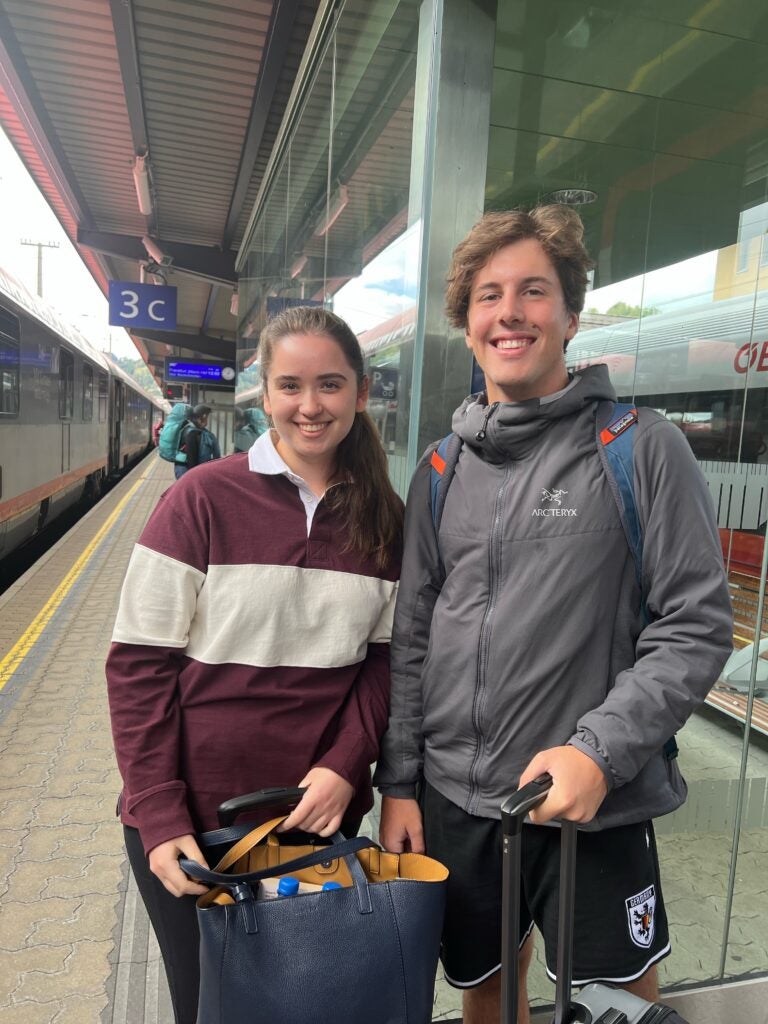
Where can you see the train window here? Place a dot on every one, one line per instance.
(10, 365)
(66, 385)
(87, 393)
(719, 415)
(103, 397)
(9, 378)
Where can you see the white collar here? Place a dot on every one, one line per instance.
(264, 458)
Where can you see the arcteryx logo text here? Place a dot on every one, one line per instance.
(551, 504)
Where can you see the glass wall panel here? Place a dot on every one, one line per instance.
(372, 140)
(334, 227)
(654, 117)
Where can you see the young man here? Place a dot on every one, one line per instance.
(520, 644)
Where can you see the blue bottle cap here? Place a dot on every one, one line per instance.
(287, 886)
(330, 885)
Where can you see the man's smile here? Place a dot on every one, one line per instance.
(516, 342)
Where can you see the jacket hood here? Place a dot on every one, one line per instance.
(506, 430)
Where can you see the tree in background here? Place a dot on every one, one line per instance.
(622, 309)
(137, 369)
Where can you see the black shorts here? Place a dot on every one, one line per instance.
(620, 927)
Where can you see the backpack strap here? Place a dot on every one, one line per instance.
(615, 424)
(443, 465)
(181, 441)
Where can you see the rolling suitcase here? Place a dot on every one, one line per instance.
(595, 1003)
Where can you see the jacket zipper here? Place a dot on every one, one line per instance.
(484, 642)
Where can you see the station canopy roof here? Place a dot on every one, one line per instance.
(172, 106)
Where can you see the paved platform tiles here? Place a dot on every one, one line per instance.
(61, 864)
(74, 940)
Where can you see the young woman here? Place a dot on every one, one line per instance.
(251, 647)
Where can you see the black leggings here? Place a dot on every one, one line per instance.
(174, 919)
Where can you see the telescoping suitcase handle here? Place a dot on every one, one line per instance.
(513, 812)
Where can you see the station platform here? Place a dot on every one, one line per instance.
(75, 945)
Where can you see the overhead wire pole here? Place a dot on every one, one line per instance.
(40, 247)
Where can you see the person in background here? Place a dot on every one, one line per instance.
(523, 643)
(251, 647)
(156, 429)
(197, 441)
(250, 424)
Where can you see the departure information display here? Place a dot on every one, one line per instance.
(195, 372)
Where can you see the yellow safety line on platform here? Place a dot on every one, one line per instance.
(24, 644)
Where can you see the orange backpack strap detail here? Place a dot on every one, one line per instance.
(437, 462)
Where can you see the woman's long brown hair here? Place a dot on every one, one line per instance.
(370, 508)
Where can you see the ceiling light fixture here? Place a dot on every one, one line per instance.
(333, 210)
(155, 252)
(571, 196)
(141, 181)
(298, 264)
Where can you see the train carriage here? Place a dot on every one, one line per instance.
(70, 419)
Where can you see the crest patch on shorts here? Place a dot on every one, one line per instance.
(641, 915)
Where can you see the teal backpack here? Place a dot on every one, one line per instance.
(209, 447)
(257, 419)
(170, 435)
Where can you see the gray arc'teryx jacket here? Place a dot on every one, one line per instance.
(535, 637)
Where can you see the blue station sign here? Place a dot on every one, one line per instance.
(142, 305)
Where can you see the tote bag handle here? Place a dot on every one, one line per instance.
(239, 885)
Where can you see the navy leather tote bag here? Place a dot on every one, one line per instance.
(363, 953)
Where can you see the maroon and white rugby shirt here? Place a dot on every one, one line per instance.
(246, 650)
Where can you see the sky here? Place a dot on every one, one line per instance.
(386, 287)
(67, 283)
(688, 282)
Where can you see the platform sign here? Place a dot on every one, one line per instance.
(142, 305)
(383, 383)
(196, 371)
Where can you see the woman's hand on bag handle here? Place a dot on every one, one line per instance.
(164, 862)
(401, 829)
(323, 806)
